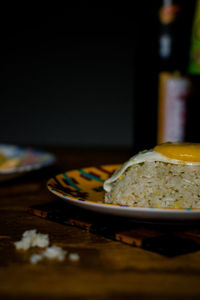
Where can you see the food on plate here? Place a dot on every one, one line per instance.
(7, 163)
(167, 176)
(2, 158)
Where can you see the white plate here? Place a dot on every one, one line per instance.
(83, 188)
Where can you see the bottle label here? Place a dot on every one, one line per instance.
(173, 94)
(168, 13)
(194, 64)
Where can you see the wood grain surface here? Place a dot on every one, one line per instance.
(107, 269)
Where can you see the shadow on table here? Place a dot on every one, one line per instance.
(165, 238)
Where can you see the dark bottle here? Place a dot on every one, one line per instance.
(193, 127)
(175, 19)
(162, 51)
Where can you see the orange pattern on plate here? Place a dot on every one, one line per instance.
(82, 184)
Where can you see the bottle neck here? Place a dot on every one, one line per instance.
(175, 20)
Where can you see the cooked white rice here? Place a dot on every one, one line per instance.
(157, 184)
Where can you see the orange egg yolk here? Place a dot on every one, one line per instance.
(189, 152)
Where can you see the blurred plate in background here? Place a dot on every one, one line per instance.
(16, 160)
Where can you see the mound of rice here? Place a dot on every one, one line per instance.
(157, 184)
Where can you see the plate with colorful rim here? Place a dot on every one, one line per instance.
(84, 188)
(16, 160)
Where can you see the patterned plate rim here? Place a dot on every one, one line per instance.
(114, 206)
(49, 159)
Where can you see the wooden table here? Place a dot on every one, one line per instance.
(107, 269)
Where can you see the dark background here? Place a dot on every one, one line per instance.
(68, 74)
